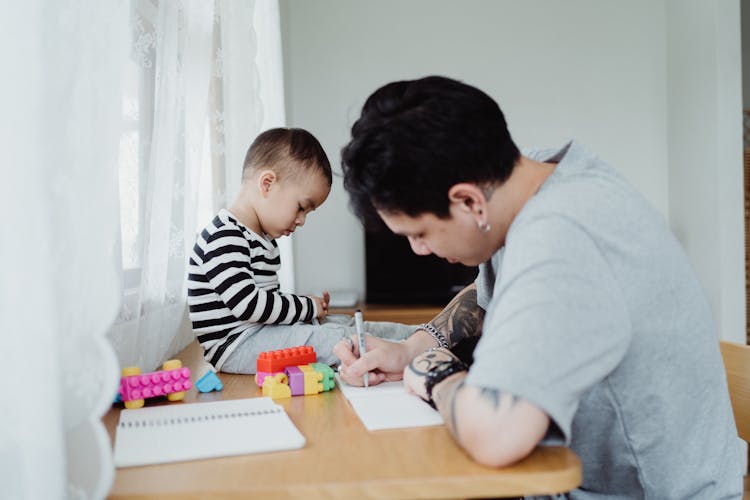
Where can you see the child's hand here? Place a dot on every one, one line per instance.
(321, 304)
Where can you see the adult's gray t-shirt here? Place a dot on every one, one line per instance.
(595, 315)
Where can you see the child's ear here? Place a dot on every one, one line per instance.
(266, 180)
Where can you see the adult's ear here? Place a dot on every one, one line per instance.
(266, 180)
(468, 197)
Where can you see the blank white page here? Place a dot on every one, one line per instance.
(389, 406)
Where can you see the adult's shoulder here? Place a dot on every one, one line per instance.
(585, 189)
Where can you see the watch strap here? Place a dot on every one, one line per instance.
(440, 372)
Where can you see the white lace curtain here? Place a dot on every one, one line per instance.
(205, 79)
(81, 140)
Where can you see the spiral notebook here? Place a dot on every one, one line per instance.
(179, 431)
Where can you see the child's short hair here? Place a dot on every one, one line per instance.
(283, 150)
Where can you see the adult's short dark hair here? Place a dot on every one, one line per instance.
(417, 138)
(284, 150)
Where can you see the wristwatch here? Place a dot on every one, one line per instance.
(440, 372)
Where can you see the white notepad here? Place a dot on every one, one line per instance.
(178, 432)
(388, 406)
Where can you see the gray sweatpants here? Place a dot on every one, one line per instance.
(321, 337)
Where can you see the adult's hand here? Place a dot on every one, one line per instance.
(384, 360)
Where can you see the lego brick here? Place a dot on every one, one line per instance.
(313, 382)
(207, 379)
(276, 361)
(160, 383)
(313, 379)
(328, 375)
(276, 387)
(260, 376)
(209, 382)
(296, 380)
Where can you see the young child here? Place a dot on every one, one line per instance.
(236, 307)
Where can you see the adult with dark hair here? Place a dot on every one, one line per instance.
(595, 331)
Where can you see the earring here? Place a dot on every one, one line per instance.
(484, 226)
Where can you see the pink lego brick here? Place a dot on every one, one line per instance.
(161, 383)
(261, 376)
(276, 361)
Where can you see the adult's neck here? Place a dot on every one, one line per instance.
(531, 175)
(509, 198)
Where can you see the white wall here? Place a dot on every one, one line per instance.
(705, 150)
(745, 54)
(587, 69)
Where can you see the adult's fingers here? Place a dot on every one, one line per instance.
(374, 378)
(367, 363)
(393, 376)
(345, 351)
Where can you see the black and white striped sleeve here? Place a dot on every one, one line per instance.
(227, 264)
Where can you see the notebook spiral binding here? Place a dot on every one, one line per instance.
(170, 421)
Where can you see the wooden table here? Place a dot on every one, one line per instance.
(341, 459)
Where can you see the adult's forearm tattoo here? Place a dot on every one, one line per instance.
(451, 418)
(462, 317)
(496, 398)
(423, 364)
(447, 402)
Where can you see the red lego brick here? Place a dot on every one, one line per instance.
(276, 361)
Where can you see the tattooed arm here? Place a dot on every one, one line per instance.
(461, 318)
(494, 427)
(385, 360)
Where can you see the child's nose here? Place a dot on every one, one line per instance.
(300, 220)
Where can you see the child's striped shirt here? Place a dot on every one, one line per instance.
(233, 287)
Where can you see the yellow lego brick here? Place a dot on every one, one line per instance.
(277, 387)
(327, 371)
(313, 381)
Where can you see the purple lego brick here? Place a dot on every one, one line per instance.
(296, 380)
